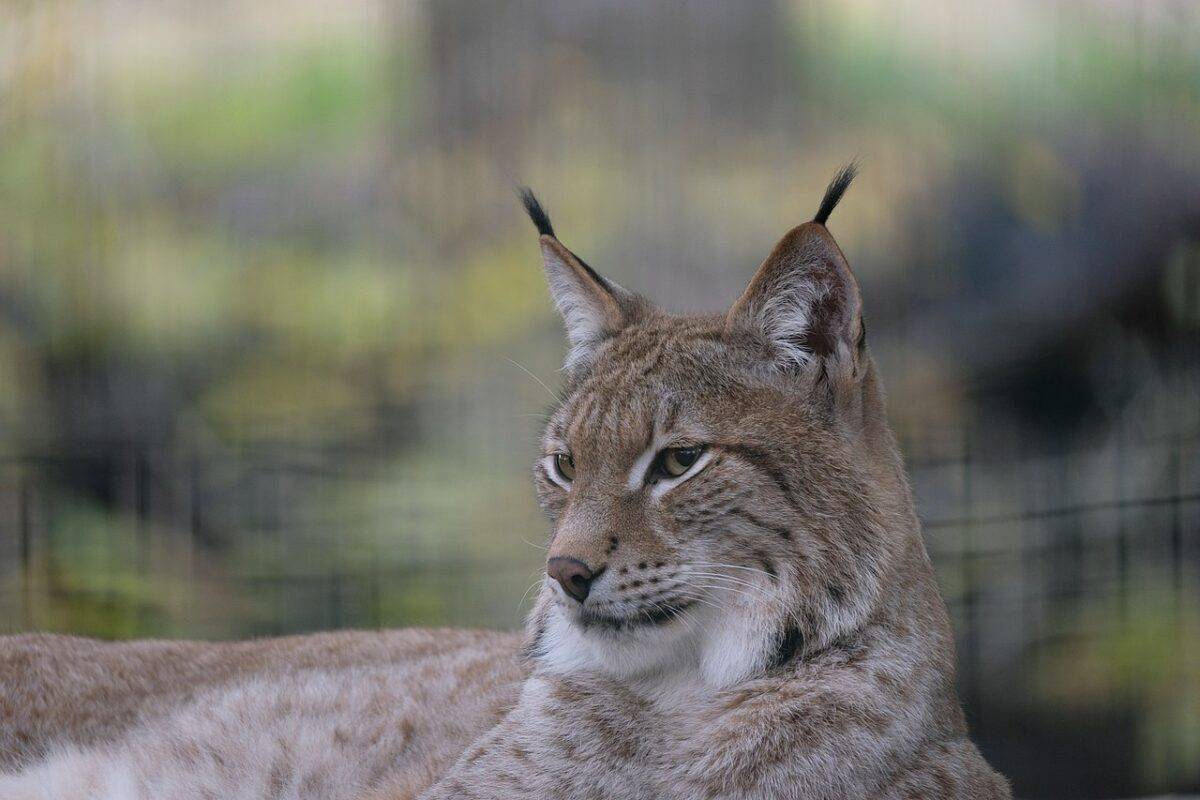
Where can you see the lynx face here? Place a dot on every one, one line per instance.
(719, 486)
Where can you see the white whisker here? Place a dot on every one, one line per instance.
(728, 578)
(707, 602)
(718, 586)
(532, 586)
(540, 382)
(730, 566)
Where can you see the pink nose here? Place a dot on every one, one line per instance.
(573, 575)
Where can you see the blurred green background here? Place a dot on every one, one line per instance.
(273, 333)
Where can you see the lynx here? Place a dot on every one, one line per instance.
(737, 601)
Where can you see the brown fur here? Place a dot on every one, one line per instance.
(763, 625)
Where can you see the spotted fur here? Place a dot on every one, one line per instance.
(763, 625)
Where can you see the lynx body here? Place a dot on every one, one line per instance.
(738, 602)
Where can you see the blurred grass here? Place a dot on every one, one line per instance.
(1153, 666)
(1029, 75)
(296, 99)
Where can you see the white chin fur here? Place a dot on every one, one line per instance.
(634, 653)
(718, 649)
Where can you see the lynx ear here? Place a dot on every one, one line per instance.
(593, 308)
(804, 299)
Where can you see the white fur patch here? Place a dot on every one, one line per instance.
(637, 473)
(583, 306)
(715, 644)
(737, 644)
(785, 317)
(74, 775)
(625, 654)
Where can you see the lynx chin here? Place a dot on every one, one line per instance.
(737, 602)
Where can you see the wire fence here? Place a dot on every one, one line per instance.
(1021, 532)
(1056, 567)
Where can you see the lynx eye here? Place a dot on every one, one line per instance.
(564, 466)
(674, 462)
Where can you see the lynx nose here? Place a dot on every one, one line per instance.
(573, 575)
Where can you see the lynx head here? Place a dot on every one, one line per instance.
(723, 490)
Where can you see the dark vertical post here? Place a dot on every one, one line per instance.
(1176, 494)
(1122, 526)
(376, 599)
(25, 554)
(970, 582)
(141, 503)
(335, 599)
(1033, 583)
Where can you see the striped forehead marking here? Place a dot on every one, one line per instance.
(602, 399)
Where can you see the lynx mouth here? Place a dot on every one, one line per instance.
(646, 616)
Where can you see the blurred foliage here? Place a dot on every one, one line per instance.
(873, 62)
(274, 345)
(306, 96)
(1153, 666)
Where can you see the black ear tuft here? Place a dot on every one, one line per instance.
(833, 193)
(535, 211)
